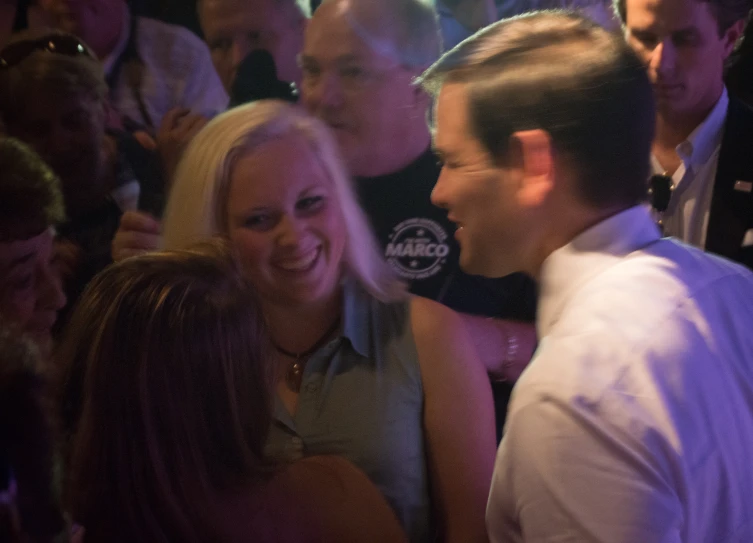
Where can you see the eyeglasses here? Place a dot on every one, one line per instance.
(61, 44)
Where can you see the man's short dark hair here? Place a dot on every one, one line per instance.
(562, 73)
(726, 12)
(30, 193)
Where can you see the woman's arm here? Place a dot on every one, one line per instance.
(344, 503)
(458, 420)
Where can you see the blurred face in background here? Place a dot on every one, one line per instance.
(234, 28)
(365, 97)
(680, 42)
(98, 22)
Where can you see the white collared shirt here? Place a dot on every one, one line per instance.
(634, 421)
(178, 72)
(687, 217)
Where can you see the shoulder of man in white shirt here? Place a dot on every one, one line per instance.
(600, 431)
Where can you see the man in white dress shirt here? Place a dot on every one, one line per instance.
(684, 45)
(634, 421)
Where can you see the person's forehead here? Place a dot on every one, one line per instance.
(251, 15)
(335, 35)
(289, 161)
(668, 15)
(24, 251)
(451, 116)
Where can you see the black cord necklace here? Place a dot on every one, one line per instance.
(294, 373)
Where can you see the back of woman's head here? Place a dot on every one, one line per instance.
(197, 207)
(166, 395)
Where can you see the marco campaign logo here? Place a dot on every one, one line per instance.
(417, 248)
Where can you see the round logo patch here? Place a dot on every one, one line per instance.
(417, 248)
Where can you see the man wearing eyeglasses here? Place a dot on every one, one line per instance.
(701, 155)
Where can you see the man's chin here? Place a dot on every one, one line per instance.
(42, 340)
(473, 265)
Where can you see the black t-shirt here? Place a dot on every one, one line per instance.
(418, 241)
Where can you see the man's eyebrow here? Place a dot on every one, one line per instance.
(348, 58)
(650, 30)
(343, 59)
(18, 262)
(685, 32)
(442, 154)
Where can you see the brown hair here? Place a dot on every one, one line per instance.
(61, 74)
(30, 193)
(562, 73)
(166, 395)
(726, 12)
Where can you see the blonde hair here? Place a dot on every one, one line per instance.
(197, 206)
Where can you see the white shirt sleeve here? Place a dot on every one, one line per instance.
(563, 475)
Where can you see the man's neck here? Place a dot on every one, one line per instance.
(674, 127)
(570, 224)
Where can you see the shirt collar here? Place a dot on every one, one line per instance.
(356, 317)
(126, 196)
(701, 143)
(125, 32)
(590, 253)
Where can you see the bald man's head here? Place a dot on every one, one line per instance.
(359, 61)
(234, 28)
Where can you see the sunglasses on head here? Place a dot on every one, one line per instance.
(16, 52)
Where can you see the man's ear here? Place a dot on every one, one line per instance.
(532, 153)
(732, 36)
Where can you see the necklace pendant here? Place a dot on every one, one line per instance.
(294, 376)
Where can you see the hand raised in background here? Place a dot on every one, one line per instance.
(138, 233)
